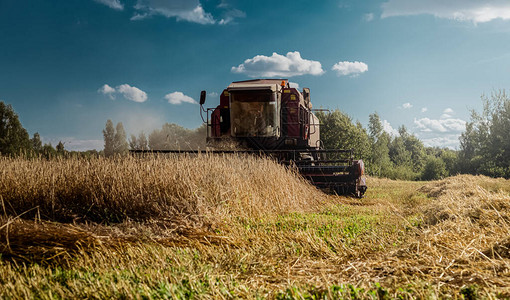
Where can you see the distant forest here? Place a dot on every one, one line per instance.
(484, 145)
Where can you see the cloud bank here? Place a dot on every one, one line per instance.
(177, 98)
(461, 10)
(182, 10)
(442, 132)
(277, 65)
(440, 125)
(347, 68)
(129, 92)
(445, 123)
(447, 141)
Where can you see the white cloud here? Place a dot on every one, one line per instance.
(107, 90)
(424, 109)
(294, 85)
(182, 10)
(476, 11)
(407, 105)
(442, 132)
(278, 65)
(179, 98)
(347, 68)
(456, 125)
(447, 114)
(213, 95)
(115, 4)
(132, 93)
(129, 92)
(197, 15)
(440, 126)
(368, 17)
(389, 129)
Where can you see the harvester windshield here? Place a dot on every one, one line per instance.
(254, 113)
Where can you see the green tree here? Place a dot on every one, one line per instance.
(14, 139)
(339, 132)
(415, 147)
(398, 152)
(450, 159)
(379, 163)
(133, 143)
(142, 142)
(60, 148)
(363, 147)
(485, 147)
(109, 138)
(175, 137)
(407, 150)
(121, 145)
(408, 155)
(138, 143)
(36, 143)
(434, 169)
(375, 127)
(48, 151)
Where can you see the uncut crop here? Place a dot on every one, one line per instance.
(112, 190)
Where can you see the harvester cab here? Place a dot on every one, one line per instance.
(264, 114)
(269, 116)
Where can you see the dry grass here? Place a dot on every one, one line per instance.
(199, 188)
(461, 240)
(235, 226)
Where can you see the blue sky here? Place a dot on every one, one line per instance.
(68, 66)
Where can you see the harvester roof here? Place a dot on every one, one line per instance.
(270, 81)
(259, 84)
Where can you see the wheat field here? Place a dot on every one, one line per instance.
(233, 226)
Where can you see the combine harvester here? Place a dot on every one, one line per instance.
(268, 117)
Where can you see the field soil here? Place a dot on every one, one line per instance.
(213, 226)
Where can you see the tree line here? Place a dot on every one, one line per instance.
(397, 157)
(169, 137)
(15, 140)
(484, 146)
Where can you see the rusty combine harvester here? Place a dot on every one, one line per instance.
(269, 117)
